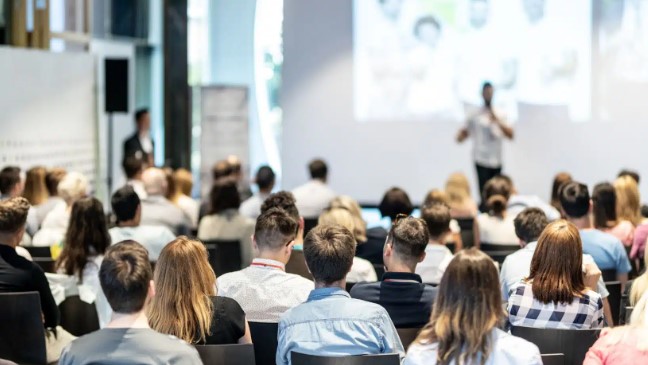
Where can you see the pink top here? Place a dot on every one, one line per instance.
(619, 346)
(639, 242)
(624, 231)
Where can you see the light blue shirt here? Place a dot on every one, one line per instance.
(607, 250)
(331, 323)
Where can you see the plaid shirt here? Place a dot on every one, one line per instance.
(582, 313)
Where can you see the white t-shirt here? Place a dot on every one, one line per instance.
(437, 259)
(361, 271)
(496, 230)
(487, 138)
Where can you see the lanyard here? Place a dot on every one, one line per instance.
(267, 265)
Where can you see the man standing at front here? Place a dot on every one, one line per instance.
(488, 128)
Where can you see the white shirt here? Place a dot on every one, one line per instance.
(146, 142)
(251, 207)
(138, 187)
(496, 230)
(437, 259)
(153, 238)
(517, 203)
(517, 265)
(229, 225)
(312, 198)
(58, 217)
(264, 290)
(190, 208)
(506, 350)
(487, 138)
(362, 270)
(48, 237)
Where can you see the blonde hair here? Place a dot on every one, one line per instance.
(457, 188)
(436, 196)
(337, 216)
(350, 204)
(184, 285)
(35, 188)
(628, 201)
(639, 286)
(183, 181)
(73, 187)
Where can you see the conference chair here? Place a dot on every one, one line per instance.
(297, 358)
(309, 223)
(22, 335)
(407, 335)
(42, 256)
(380, 270)
(614, 287)
(628, 314)
(78, 317)
(226, 354)
(224, 255)
(574, 344)
(297, 265)
(467, 226)
(264, 338)
(451, 246)
(498, 252)
(609, 275)
(553, 359)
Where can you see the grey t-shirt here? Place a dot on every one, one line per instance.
(121, 346)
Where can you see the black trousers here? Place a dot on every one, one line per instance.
(484, 174)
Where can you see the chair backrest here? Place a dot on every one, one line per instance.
(407, 335)
(264, 338)
(309, 223)
(467, 226)
(78, 317)
(297, 265)
(45, 263)
(349, 286)
(614, 287)
(628, 313)
(224, 255)
(37, 251)
(22, 335)
(609, 275)
(380, 270)
(553, 359)
(574, 344)
(226, 354)
(498, 252)
(297, 358)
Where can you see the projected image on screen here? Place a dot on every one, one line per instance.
(427, 59)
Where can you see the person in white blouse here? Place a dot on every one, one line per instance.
(314, 196)
(496, 226)
(265, 180)
(437, 255)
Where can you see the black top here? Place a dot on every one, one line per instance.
(18, 275)
(372, 249)
(228, 324)
(133, 147)
(409, 303)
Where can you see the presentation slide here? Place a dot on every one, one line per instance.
(571, 60)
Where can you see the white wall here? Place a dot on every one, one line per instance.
(366, 159)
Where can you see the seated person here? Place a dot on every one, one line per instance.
(437, 255)
(264, 289)
(496, 226)
(555, 294)
(604, 214)
(127, 281)
(401, 292)
(437, 196)
(265, 181)
(12, 185)
(185, 303)
(315, 195)
(461, 203)
(331, 323)
(469, 295)
(128, 211)
(518, 202)
(182, 181)
(157, 210)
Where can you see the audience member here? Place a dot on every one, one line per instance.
(239, 177)
(518, 202)
(12, 184)
(402, 292)
(221, 173)
(157, 210)
(628, 200)
(224, 221)
(52, 179)
(35, 190)
(370, 250)
(265, 181)
(496, 226)
(623, 345)
(555, 294)
(264, 289)
(560, 179)
(314, 196)
(361, 270)
(181, 196)
(286, 200)
(127, 209)
(607, 250)
(134, 168)
(604, 214)
(85, 243)
(637, 287)
(127, 281)
(331, 323)
(185, 303)
(465, 322)
(437, 196)
(437, 255)
(460, 201)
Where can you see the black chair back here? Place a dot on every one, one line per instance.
(78, 317)
(380, 270)
(297, 358)
(614, 287)
(609, 275)
(297, 265)
(22, 335)
(264, 338)
(226, 354)
(498, 252)
(224, 255)
(38, 251)
(467, 226)
(407, 335)
(451, 246)
(309, 223)
(574, 344)
(42, 256)
(553, 359)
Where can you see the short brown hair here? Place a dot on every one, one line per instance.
(318, 169)
(13, 214)
(437, 218)
(125, 274)
(53, 178)
(9, 177)
(409, 236)
(274, 229)
(284, 200)
(529, 224)
(329, 252)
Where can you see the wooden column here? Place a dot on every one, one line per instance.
(18, 23)
(41, 35)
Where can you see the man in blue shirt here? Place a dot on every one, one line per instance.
(402, 292)
(607, 250)
(331, 323)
